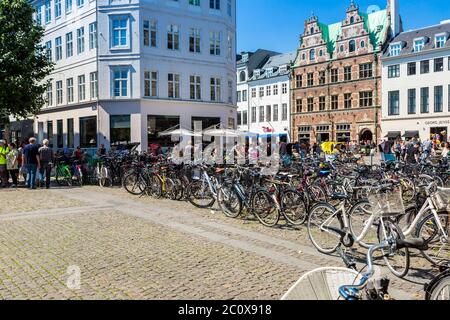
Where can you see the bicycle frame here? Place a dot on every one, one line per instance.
(428, 205)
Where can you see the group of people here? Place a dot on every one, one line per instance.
(413, 151)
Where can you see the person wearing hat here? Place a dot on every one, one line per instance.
(4, 150)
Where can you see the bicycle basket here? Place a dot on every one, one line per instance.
(441, 199)
(387, 204)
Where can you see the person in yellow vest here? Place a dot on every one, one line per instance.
(4, 150)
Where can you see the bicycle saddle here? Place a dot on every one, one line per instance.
(414, 243)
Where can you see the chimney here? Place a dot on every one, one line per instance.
(394, 11)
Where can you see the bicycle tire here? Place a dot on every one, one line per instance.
(264, 208)
(229, 202)
(294, 207)
(199, 190)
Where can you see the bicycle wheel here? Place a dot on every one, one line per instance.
(440, 290)
(229, 201)
(359, 216)
(154, 187)
(170, 189)
(200, 195)
(264, 208)
(104, 180)
(323, 226)
(78, 177)
(397, 261)
(438, 243)
(134, 184)
(294, 207)
(178, 189)
(408, 189)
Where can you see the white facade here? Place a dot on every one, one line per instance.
(154, 64)
(267, 109)
(419, 101)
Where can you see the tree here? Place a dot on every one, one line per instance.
(23, 63)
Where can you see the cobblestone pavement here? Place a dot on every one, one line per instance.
(128, 247)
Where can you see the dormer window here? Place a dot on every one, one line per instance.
(257, 72)
(419, 44)
(312, 30)
(395, 49)
(245, 57)
(283, 68)
(242, 76)
(352, 20)
(269, 72)
(440, 41)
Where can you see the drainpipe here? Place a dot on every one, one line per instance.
(376, 98)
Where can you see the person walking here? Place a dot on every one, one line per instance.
(32, 162)
(445, 151)
(4, 150)
(12, 165)
(398, 150)
(46, 157)
(413, 153)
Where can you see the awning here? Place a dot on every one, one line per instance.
(393, 134)
(411, 134)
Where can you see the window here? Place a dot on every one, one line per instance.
(93, 36)
(275, 112)
(242, 76)
(275, 90)
(150, 84)
(424, 66)
(298, 81)
(244, 95)
(394, 71)
(215, 89)
(268, 113)
(268, 90)
(261, 92)
(48, 50)
(348, 100)
(88, 132)
(80, 40)
(69, 84)
(284, 88)
(39, 15)
(50, 133)
(310, 104)
(59, 92)
(230, 91)
(334, 76)
(411, 101)
(310, 79)
(395, 49)
(58, 49)
(418, 45)
(253, 115)
(348, 73)
(120, 83)
(214, 43)
(299, 105)
(312, 55)
(284, 112)
(365, 71)
(194, 3)
(94, 84)
(352, 20)
(440, 41)
(69, 45)
(57, 9)
(244, 118)
(80, 3)
(195, 88)
(261, 114)
(81, 88)
(48, 11)
(239, 96)
(49, 94)
(120, 129)
(229, 46)
(363, 44)
(334, 102)
(150, 31)
(59, 134)
(322, 77)
(253, 92)
(412, 68)
(365, 99)
(239, 118)
(229, 7)
(119, 32)
(352, 46)
(70, 133)
(173, 85)
(438, 98)
(394, 103)
(424, 100)
(438, 64)
(214, 4)
(68, 6)
(194, 40)
(322, 103)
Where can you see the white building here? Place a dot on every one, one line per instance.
(128, 69)
(416, 84)
(264, 98)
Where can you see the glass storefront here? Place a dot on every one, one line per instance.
(70, 133)
(88, 132)
(120, 129)
(157, 124)
(59, 134)
(50, 133)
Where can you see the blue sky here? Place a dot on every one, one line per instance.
(276, 24)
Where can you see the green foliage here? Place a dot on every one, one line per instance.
(23, 64)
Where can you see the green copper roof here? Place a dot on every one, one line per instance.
(375, 23)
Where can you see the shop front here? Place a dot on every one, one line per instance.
(323, 133)
(304, 134)
(343, 133)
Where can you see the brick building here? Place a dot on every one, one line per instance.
(336, 82)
